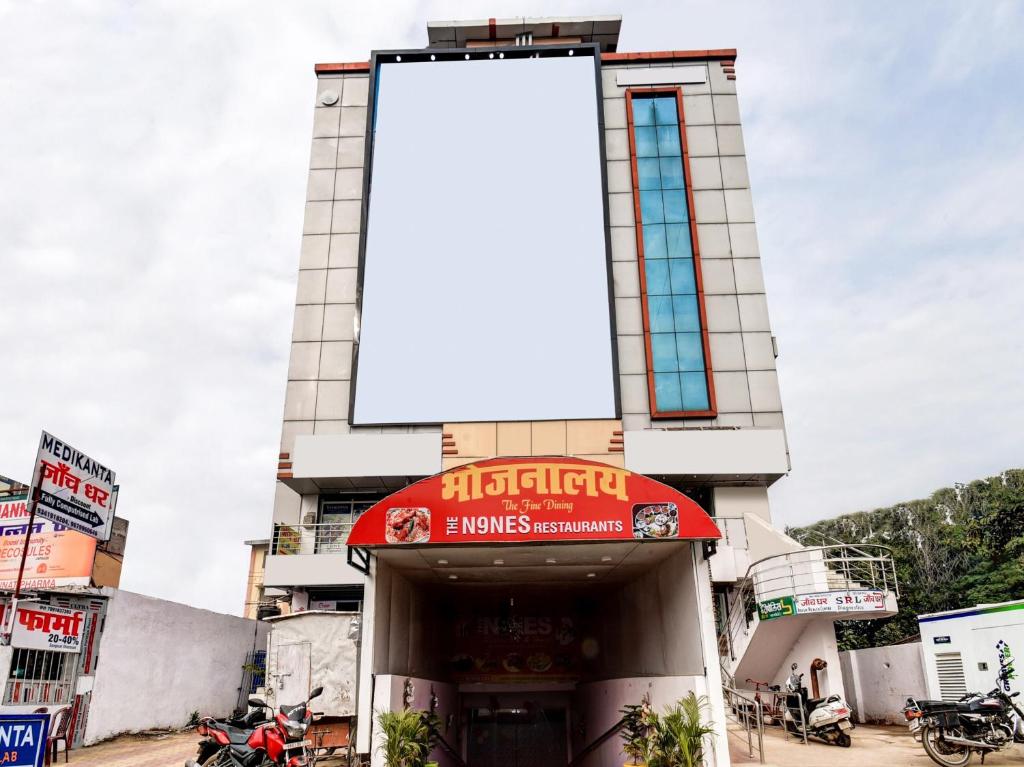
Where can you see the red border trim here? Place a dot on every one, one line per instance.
(712, 410)
(712, 53)
(352, 66)
(728, 54)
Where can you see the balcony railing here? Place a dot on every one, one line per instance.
(814, 569)
(320, 538)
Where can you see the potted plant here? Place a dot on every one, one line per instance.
(681, 734)
(634, 734)
(406, 739)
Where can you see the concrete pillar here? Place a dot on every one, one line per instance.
(709, 650)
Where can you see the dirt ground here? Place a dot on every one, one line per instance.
(871, 746)
(137, 751)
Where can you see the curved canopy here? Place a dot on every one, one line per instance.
(532, 500)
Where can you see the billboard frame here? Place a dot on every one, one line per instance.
(457, 54)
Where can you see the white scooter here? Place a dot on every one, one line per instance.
(825, 718)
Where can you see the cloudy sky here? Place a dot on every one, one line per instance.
(152, 172)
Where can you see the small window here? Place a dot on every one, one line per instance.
(675, 332)
(40, 677)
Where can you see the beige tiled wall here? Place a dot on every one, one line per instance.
(594, 440)
(747, 389)
(741, 341)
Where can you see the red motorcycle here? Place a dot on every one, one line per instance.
(255, 741)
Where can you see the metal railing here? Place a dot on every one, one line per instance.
(810, 570)
(319, 538)
(747, 711)
(599, 741)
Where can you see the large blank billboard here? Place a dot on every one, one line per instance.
(485, 285)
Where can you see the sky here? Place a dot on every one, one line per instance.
(152, 174)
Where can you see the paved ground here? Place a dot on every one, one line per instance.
(871, 746)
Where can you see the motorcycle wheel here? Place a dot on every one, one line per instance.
(844, 740)
(941, 752)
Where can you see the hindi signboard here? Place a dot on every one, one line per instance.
(46, 627)
(56, 556)
(775, 608)
(845, 601)
(533, 500)
(23, 739)
(74, 490)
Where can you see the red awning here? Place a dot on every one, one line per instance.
(532, 500)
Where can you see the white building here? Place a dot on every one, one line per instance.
(962, 648)
(531, 356)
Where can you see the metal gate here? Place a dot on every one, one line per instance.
(254, 674)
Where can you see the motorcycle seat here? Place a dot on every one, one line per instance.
(236, 735)
(813, 703)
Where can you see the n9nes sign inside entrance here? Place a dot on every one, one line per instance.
(532, 500)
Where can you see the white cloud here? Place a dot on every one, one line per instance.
(151, 202)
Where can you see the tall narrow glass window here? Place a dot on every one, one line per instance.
(678, 362)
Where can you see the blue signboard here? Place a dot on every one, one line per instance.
(23, 739)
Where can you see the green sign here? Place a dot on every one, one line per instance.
(776, 608)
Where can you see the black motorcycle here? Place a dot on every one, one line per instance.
(951, 731)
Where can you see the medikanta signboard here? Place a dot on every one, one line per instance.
(74, 490)
(23, 739)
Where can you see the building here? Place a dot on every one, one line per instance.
(963, 649)
(532, 410)
(72, 615)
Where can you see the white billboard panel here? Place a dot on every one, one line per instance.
(485, 288)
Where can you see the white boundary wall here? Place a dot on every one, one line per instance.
(159, 661)
(879, 680)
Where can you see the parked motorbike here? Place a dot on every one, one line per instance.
(952, 731)
(825, 718)
(256, 741)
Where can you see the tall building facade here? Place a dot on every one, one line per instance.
(532, 409)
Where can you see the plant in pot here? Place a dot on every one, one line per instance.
(406, 737)
(638, 725)
(681, 734)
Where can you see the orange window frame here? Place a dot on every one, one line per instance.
(712, 410)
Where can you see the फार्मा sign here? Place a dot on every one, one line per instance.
(47, 627)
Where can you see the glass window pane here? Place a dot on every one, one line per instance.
(663, 349)
(665, 110)
(668, 141)
(658, 283)
(695, 391)
(675, 206)
(648, 172)
(684, 309)
(660, 310)
(654, 241)
(683, 280)
(651, 209)
(671, 173)
(678, 241)
(690, 351)
(667, 393)
(646, 142)
(643, 111)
